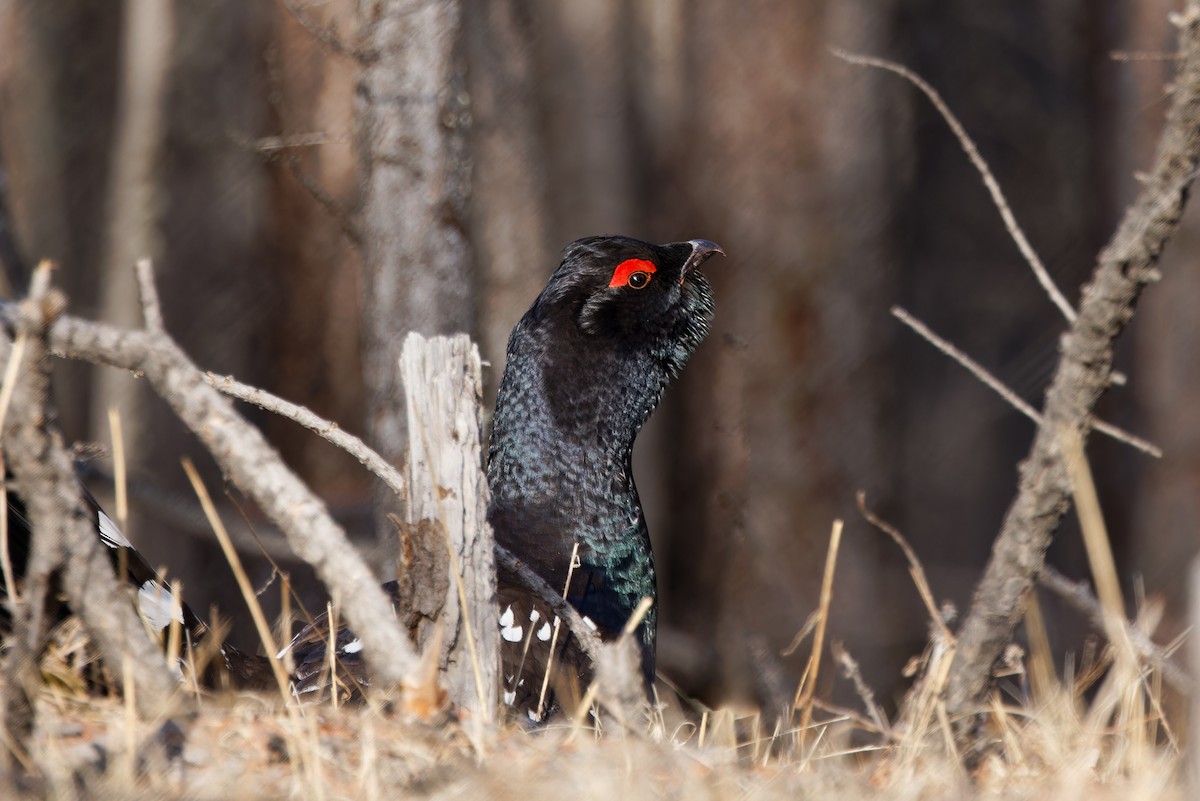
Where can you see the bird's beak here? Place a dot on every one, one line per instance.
(701, 250)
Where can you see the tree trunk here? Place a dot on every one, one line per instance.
(412, 126)
(447, 499)
(513, 253)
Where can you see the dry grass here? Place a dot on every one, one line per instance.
(1056, 745)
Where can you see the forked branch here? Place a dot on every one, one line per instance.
(255, 467)
(1126, 265)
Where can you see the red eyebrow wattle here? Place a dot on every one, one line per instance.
(620, 276)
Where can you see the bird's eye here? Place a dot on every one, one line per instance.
(633, 273)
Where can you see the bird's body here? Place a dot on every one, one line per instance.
(585, 367)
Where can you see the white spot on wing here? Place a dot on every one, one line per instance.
(352, 647)
(110, 535)
(508, 631)
(534, 616)
(544, 632)
(591, 624)
(510, 697)
(157, 606)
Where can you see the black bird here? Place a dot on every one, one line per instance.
(585, 367)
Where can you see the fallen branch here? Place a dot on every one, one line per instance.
(251, 463)
(63, 532)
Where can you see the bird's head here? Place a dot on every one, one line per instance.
(624, 294)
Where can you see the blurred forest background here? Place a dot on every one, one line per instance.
(225, 139)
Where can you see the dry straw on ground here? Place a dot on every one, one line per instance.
(1050, 743)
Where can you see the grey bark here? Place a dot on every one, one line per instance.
(412, 121)
(64, 537)
(448, 498)
(135, 193)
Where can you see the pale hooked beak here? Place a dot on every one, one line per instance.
(702, 249)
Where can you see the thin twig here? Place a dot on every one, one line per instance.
(985, 172)
(851, 670)
(810, 623)
(1013, 399)
(151, 307)
(239, 573)
(915, 569)
(1079, 595)
(326, 429)
(805, 694)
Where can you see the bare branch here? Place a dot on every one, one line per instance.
(1079, 595)
(148, 292)
(1126, 266)
(1013, 398)
(254, 466)
(985, 172)
(325, 429)
(63, 531)
(914, 565)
